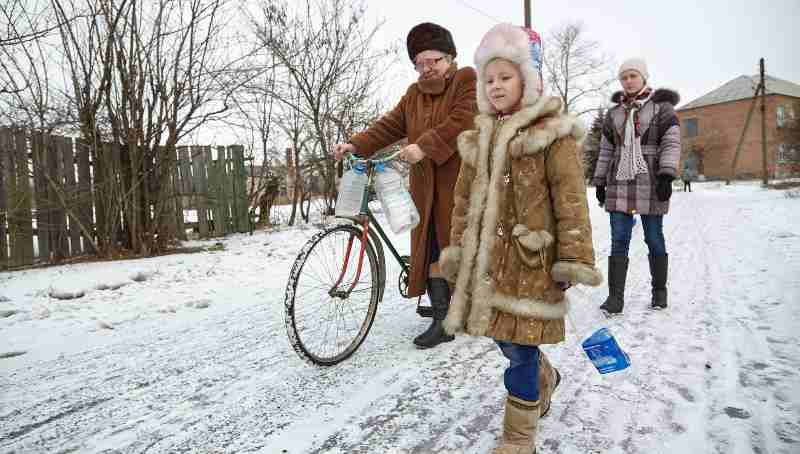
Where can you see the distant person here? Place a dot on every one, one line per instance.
(639, 152)
(521, 232)
(434, 110)
(687, 176)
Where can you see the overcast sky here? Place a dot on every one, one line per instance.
(693, 46)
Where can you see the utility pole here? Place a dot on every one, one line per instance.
(763, 125)
(762, 90)
(528, 13)
(741, 138)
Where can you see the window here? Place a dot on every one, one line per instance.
(690, 127)
(781, 116)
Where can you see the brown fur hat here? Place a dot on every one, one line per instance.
(428, 36)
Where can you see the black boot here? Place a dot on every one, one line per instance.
(617, 272)
(439, 294)
(658, 272)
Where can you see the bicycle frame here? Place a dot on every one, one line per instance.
(364, 219)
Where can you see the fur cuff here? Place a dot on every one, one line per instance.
(576, 273)
(449, 261)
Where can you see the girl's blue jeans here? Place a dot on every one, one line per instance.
(522, 374)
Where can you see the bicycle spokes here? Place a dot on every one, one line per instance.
(332, 295)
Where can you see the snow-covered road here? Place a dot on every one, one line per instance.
(192, 355)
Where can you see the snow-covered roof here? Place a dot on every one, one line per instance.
(744, 87)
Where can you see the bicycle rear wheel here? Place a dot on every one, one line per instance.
(326, 322)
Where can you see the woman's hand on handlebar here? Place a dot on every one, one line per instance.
(411, 154)
(340, 149)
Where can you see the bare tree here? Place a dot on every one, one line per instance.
(332, 71)
(143, 78)
(28, 97)
(256, 112)
(576, 70)
(33, 105)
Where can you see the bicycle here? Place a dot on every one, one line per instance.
(341, 291)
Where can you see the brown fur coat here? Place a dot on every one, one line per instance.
(433, 122)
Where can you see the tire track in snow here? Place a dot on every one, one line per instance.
(750, 407)
(645, 416)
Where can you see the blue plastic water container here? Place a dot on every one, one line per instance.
(604, 352)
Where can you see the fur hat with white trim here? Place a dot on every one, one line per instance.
(518, 45)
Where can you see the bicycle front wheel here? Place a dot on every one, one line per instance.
(330, 304)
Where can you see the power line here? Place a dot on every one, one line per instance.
(479, 11)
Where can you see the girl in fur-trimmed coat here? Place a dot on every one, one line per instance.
(520, 230)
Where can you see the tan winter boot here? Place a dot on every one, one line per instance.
(520, 423)
(549, 379)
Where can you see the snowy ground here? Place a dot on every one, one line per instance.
(188, 354)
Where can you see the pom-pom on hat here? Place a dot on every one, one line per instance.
(518, 45)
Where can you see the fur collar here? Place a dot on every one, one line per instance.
(545, 117)
(659, 95)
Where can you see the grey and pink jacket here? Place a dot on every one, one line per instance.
(661, 148)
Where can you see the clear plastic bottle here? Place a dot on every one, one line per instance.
(396, 201)
(351, 191)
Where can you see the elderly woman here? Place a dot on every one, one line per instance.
(434, 110)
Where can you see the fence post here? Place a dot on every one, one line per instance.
(20, 203)
(84, 188)
(177, 194)
(221, 204)
(200, 186)
(41, 200)
(185, 187)
(5, 153)
(71, 194)
(226, 191)
(240, 189)
(212, 182)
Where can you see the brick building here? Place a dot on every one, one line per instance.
(712, 125)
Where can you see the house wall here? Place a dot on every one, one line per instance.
(720, 127)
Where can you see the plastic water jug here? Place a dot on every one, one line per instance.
(351, 192)
(604, 352)
(396, 201)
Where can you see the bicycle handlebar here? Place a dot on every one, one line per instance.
(353, 160)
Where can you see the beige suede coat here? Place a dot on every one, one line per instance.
(520, 224)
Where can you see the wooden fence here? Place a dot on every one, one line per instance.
(39, 224)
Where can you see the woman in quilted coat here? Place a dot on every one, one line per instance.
(639, 152)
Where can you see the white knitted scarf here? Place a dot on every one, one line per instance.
(631, 161)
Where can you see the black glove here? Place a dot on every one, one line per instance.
(664, 188)
(600, 193)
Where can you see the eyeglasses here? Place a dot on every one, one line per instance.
(427, 63)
